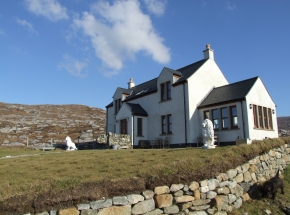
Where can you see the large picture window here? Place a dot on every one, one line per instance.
(165, 91)
(262, 117)
(166, 124)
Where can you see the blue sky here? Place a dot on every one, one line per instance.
(80, 51)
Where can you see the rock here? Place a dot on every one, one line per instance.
(200, 208)
(184, 206)
(120, 200)
(238, 203)
(196, 194)
(194, 186)
(88, 212)
(211, 194)
(163, 200)
(143, 207)
(183, 199)
(161, 190)
(239, 178)
(148, 194)
(232, 173)
(134, 198)
(203, 183)
(101, 204)
(68, 211)
(83, 206)
(173, 209)
(116, 210)
(178, 193)
(247, 176)
(154, 212)
(200, 202)
(176, 187)
(223, 190)
(212, 184)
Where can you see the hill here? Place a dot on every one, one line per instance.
(42, 124)
(284, 126)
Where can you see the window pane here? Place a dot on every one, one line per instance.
(168, 90)
(162, 92)
(225, 123)
(169, 118)
(215, 115)
(234, 116)
(224, 112)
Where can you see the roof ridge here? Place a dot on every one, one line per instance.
(237, 82)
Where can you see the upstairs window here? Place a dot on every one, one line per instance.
(117, 105)
(260, 115)
(165, 91)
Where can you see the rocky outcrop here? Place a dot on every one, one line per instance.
(284, 126)
(49, 124)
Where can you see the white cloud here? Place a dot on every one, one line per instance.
(118, 31)
(230, 6)
(73, 66)
(156, 6)
(28, 26)
(51, 9)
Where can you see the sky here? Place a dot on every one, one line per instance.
(80, 51)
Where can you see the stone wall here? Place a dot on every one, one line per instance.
(119, 140)
(217, 196)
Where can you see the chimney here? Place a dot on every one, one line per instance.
(131, 83)
(208, 53)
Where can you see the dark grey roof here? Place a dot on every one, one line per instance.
(151, 86)
(125, 91)
(228, 93)
(187, 71)
(136, 109)
(143, 89)
(110, 105)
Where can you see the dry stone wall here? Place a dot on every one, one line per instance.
(216, 196)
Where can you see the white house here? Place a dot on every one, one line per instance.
(175, 104)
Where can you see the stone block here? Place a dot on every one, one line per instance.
(203, 183)
(89, 212)
(246, 197)
(161, 190)
(232, 173)
(120, 200)
(178, 193)
(173, 209)
(143, 207)
(148, 194)
(83, 206)
(116, 210)
(196, 194)
(204, 189)
(223, 190)
(213, 183)
(239, 178)
(163, 200)
(176, 187)
(154, 212)
(184, 206)
(101, 204)
(68, 211)
(245, 167)
(134, 198)
(232, 198)
(200, 202)
(247, 177)
(238, 203)
(183, 199)
(194, 185)
(200, 208)
(211, 195)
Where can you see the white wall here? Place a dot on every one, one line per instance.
(259, 96)
(200, 84)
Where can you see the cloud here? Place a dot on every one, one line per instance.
(73, 66)
(156, 7)
(28, 26)
(51, 9)
(119, 31)
(230, 6)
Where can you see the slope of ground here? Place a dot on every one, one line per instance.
(35, 124)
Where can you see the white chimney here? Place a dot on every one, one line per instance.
(208, 53)
(131, 83)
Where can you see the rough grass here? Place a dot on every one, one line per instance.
(63, 175)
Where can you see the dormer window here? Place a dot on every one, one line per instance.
(117, 105)
(165, 91)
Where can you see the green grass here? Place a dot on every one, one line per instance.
(62, 170)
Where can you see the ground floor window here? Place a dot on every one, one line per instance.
(166, 124)
(262, 117)
(123, 126)
(139, 127)
(224, 117)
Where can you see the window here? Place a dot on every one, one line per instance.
(117, 105)
(255, 116)
(234, 117)
(206, 115)
(139, 127)
(265, 114)
(169, 123)
(270, 118)
(123, 126)
(166, 124)
(225, 119)
(260, 115)
(215, 116)
(165, 91)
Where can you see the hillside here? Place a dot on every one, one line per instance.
(284, 126)
(43, 124)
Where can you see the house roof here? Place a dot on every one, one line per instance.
(151, 86)
(228, 93)
(188, 70)
(136, 109)
(142, 89)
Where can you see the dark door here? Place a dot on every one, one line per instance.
(124, 126)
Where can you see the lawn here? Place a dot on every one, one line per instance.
(39, 172)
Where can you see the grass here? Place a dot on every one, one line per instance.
(62, 170)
